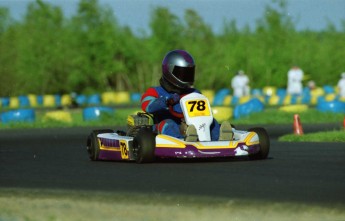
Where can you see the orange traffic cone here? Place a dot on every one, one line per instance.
(297, 126)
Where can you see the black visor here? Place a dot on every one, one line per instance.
(184, 74)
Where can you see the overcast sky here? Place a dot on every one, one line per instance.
(312, 14)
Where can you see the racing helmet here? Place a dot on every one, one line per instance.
(178, 70)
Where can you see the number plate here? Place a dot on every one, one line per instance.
(124, 150)
(197, 108)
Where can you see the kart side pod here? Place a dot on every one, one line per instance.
(146, 146)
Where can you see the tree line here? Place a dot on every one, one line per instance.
(46, 52)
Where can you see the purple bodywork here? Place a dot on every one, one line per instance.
(111, 151)
(192, 152)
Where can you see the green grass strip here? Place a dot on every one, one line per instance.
(274, 116)
(270, 116)
(31, 204)
(328, 136)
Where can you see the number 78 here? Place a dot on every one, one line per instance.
(200, 105)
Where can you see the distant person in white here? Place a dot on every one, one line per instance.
(341, 85)
(240, 84)
(294, 84)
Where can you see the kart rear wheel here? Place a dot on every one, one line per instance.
(92, 144)
(144, 144)
(264, 142)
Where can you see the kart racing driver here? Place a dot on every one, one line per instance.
(178, 71)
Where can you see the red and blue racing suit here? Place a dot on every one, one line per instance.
(154, 101)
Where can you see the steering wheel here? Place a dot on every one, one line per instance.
(174, 113)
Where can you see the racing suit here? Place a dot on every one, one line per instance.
(154, 101)
(240, 85)
(294, 84)
(341, 86)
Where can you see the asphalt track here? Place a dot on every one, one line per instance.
(57, 159)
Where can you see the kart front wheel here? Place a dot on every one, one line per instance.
(264, 142)
(93, 145)
(144, 144)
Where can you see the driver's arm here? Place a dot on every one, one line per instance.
(151, 101)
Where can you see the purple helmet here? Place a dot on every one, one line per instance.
(178, 69)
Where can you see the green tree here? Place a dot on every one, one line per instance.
(275, 36)
(97, 58)
(39, 50)
(196, 35)
(7, 53)
(45, 52)
(166, 31)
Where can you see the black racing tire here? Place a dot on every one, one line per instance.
(144, 144)
(264, 142)
(92, 144)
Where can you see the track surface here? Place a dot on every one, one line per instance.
(57, 159)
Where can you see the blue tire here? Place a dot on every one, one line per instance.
(20, 115)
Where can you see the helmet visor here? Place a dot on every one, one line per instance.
(184, 74)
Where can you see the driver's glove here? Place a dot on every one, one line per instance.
(172, 99)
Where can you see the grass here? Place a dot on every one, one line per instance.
(328, 136)
(273, 116)
(51, 205)
(270, 116)
(118, 118)
(31, 204)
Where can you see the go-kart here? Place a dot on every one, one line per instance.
(141, 144)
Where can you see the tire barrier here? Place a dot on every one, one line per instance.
(24, 101)
(14, 102)
(306, 99)
(209, 94)
(40, 100)
(81, 100)
(222, 113)
(61, 116)
(273, 100)
(5, 101)
(244, 99)
(317, 92)
(220, 96)
(328, 89)
(331, 97)
(331, 106)
(122, 97)
(96, 113)
(230, 100)
(66, 100)
(33, 100)
(135, 97)
(296, 108)
(20, 115)
(94, 99)
(269, 90)
(112, 98)
(57, 98)
(252, 106)
(281, 92)
(292, 99)
(269, 95)
(256, 92)
(49, 100)
(108, 98)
